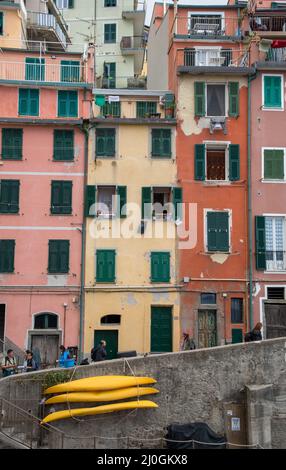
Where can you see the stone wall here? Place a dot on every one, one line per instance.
(194, 387)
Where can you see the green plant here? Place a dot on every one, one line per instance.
(55, 378)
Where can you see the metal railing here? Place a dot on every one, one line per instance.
(45, 20)
(132, 42)
(41, 72)
(121, 82)
(215, 57)
(268, 23)
(206, 25)
(276, 55)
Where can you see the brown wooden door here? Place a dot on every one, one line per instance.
(275, 315)
(207, 329)
(48, 346)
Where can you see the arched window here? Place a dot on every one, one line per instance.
(46, 321)
(111, 320)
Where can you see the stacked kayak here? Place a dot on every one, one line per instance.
(100, 390)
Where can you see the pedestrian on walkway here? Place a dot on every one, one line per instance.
(9, 364)
(255, 334)
(99, 353)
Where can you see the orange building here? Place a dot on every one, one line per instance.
(207, 68)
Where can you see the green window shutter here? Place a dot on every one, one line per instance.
(28, 102)
(160, 267)
(122, 201)
(90, 200)
(274, 164)
(7, 256)
(105, 266)
(59, 256)
(67, 103)
(61, 200)
(105, 142)
(234, 162)
(23, 102)
(146, 203)
(218, 231)
(34, 102)
(73, 104)
(71, 3)
(9, 196)
(177, 202)
(62, 104)
(63, 145)
(161, 143)
(12, 144)
(200, 171)
(200, 105)
(233, 95)
(260, 238)
(110, 33)
(272, 91)
(1, 23)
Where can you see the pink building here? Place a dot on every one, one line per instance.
(44, 99)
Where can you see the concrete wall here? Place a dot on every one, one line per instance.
(194, 387)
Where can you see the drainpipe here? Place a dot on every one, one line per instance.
(249, 191)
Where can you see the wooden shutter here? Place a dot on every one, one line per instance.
(105, 266)
(7, 256)
(233, 97)
(59, 256)
(72, 103)
(62, 104)
(160, 267)
(234, 162)
(260, 238)
(66, 197)
(272, 91)
(218, 231)
(146, 203)
(177, 202)
(9, 196)
(63, 145)
(274, 164)
(12, 143)
(105, 142)
(200, 106)
(34, 102)
(64, 251)
(90, 200)
(122, 201)
(71, 3)
(14, 196)
(200, 156)
(23, 102)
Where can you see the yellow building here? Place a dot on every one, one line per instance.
(131, 278)
(13, 16)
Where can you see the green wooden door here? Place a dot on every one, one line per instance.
(111, 338)
(161, 329)
(207, 329)
(237, 335)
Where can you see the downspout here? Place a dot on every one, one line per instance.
(249, 194)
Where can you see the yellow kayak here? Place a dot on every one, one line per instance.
(130, 405)
(100, 384)
(111, 395)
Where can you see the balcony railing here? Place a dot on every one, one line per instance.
(121, 82)
(132, 43)
(46, 21)
(276, 55)
(206, 26)
(47, 73)
(268, 23)
(213, 57)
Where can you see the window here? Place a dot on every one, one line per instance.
(63, 145)
(28, 102)
(110, 3)
(236, 310)
(67, 103)
(274, 164)
(110, 33)
(61, 198)
(105, 266)
(275, 293)
(146, 108)
(161, 143)
(7, 254)
(275, 243)
(9, 196)
(111, 320)
(215, 162)
(35, 69)
(208, 298)
(1, 23)
(211, 99)
(162, 203)
(46, 321)
(105, 201)
(216, 100)
(59, 256)
(112, 109)
(70, 71)
(65, 4)
(218, 231)
(105, 142)
(210, 24)
(207, 57)
(272, 92)
(160, 267)
(109, 75)
(12, 143)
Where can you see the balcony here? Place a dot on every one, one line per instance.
(131, 45)
(45, 27)
(42, 73)
(215, 58)
(276, 55)
(268, 26)
(121, 82)
(206, 27)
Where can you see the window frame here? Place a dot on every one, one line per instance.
(13, 243)
(229, 212)
(21, 135)
(225, 84)
(273, 216)
(160, 281)
(39, 102)
(115, 142)
(242, 311)
(172, 152)
(104, 32)
(109, 6)
(263, 179)
(53, 207)
(72, 133)
(208, 303)
(265, 108)
(58, 102)
(59, 272)
(10, 182)
(113, 281)
(2, 33)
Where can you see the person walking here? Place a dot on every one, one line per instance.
(255, 334)
(188, 343)
(9, 364)
(99, 353)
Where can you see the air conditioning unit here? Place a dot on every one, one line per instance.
(218, 124)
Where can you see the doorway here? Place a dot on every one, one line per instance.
(111, 338)
(207, 334)
(275, 318)
(2, 327)
(48, 348)
(161, 329)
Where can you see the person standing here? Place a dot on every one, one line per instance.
(99, 353)
(9, 364)
(255, 334)
(188, 343)
(30, 364)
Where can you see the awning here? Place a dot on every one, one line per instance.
(278, 43)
